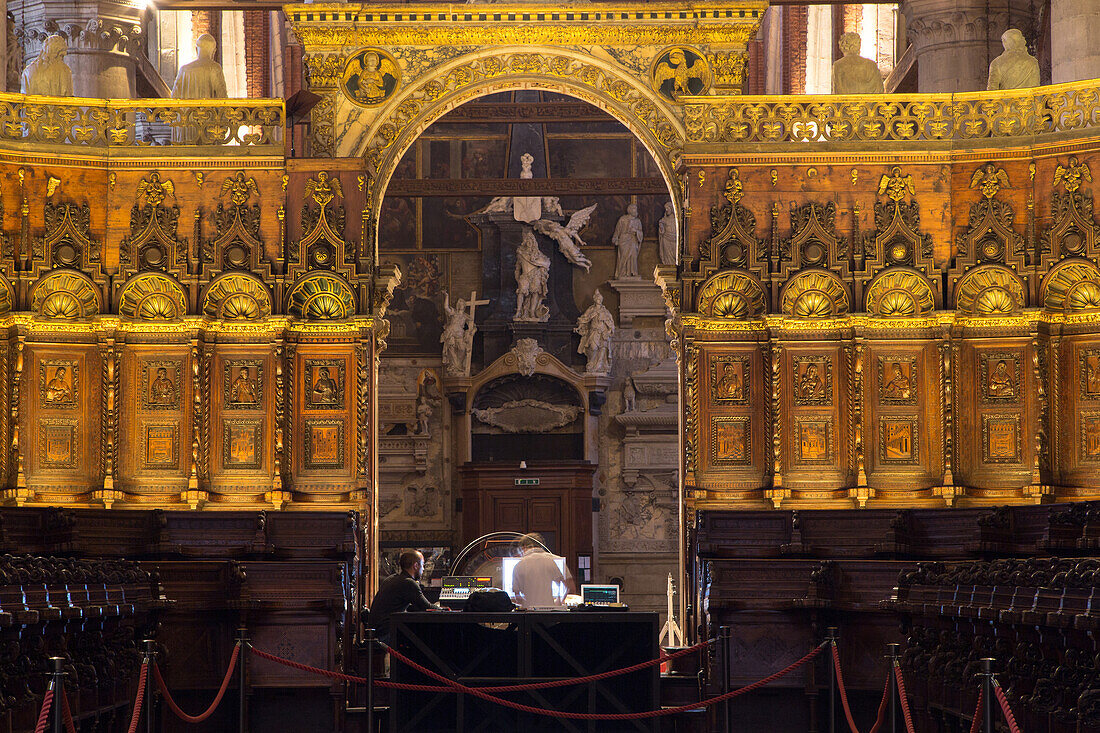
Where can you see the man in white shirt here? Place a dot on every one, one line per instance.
(537, 580)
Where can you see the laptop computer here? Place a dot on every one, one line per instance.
(600, 596)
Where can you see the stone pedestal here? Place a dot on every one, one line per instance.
(104, 40)
(637, 297)
(954, 40)
(1075, 46)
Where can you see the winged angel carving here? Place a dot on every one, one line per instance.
(990, 179)
(895, 185)
(680, 70)
(1072, 174)
(323, 188)
(155, 190)
(568, 236)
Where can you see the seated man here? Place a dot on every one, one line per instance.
(537, 580)
(398, 593)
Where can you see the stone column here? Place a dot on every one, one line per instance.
(955, 40)
(104, 38)
(1075, 41)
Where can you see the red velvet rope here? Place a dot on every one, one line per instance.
(1003, 700)
(476, 692)
(904, 699)
(978, 711)
(44, 715)
(880, 716)
(843, 692)
(66, 713)
(480, 691)
(140, 700)
(492, 688)
(217, 699)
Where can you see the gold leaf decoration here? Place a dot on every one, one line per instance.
(152, 296)
(814, 294)
(898, 293)
(321, 296)
(1073, 285)
(732, 295)
(65, 294)
(989, 290)
(236, 296)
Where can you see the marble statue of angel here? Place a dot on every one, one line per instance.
(568, 236)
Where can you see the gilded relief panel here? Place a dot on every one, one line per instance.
(160, 442)
(1001, 438)
(1090, 437)
(324, 384)
(160, 384)
(322, 435)
(1088, 374)
(324, 444)
(57, 443)
(155, 433)
(60, 417)
(898, 440)
(897, 379)
(730, 441)
(729, 379)
(999, 376)
(243, 384)
(58, 381)
(242, 444)
(242, 410)
(812, 380)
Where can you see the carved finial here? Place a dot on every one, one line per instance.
(734, 188)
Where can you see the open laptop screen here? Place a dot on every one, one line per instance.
(599, 594)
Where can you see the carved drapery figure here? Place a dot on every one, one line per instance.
(324, 389)
(628, 243)
(532, 272)
(57, 390)
(457, 337)
(855, 74)
(666, 236)
(202, 78)
(596, 326)
(898, 387)
(48, 74)
(527, 208)
(243, 389)
(1001, 383)
(1015, 68)
(162, 389)
(729, 384)
(426, 399)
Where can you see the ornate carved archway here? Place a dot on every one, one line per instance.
(385, 72)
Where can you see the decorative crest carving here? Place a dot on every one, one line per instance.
(153, 226)
(240, 188)
(989, 236)
(813, 241)
(732, 229)
(323, 188)
(897, 239)
(894, 185)
(1073, 231)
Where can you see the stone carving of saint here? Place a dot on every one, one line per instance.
(666, 236)
(809, 386)
(57, 389)
(630, 395)
(162, 389)
(628, 243)
(1001, 383)
(854, 74)
(324, 389)
(527, 208)
(243, 389)
(457, 337)
(48, 74)
(202, 78)
(372, 82)
(898, 387)
(1015, 68)
(730, 386)
(532, 272)
(425, 400)
(596, 326)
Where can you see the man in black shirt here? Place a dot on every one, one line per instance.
(398, 593)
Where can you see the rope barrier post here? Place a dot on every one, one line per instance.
(150, 655)
(892, 655)
(831, 636)
(369, 638)
(57, 683)
(726, 634)
(242, 704)
(987, 689)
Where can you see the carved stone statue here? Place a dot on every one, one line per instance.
(855, 74)
(527, 208)
(202, 78)
(48, 74)
(596, 326)
(628, 241)
(532, 272)
(1015, 68)
(426, 399)
(454, 339)
(630, 395)
(666, 236)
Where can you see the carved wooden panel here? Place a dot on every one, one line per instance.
(324, 434)
(156, 410)
(733, 418)
(815, 419)
(60, 403)
(242, 416)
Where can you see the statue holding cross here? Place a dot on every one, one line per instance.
(458, 333)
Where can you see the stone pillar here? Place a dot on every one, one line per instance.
(104, 38)
(955, 40)
(1075, 41)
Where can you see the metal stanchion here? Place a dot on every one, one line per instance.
(726, 634)
(990, 700)
(369, 639)
(57, 684)
(150, 688)
(892, 655)
(242, 660)
(831, 637)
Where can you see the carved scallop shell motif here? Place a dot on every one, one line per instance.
(814, 294)
(66, 295)
(1074, 285)
(320, 296)
(236, 296)
(989, 290)
(731, 295)
(899, 294)
(151, 296)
